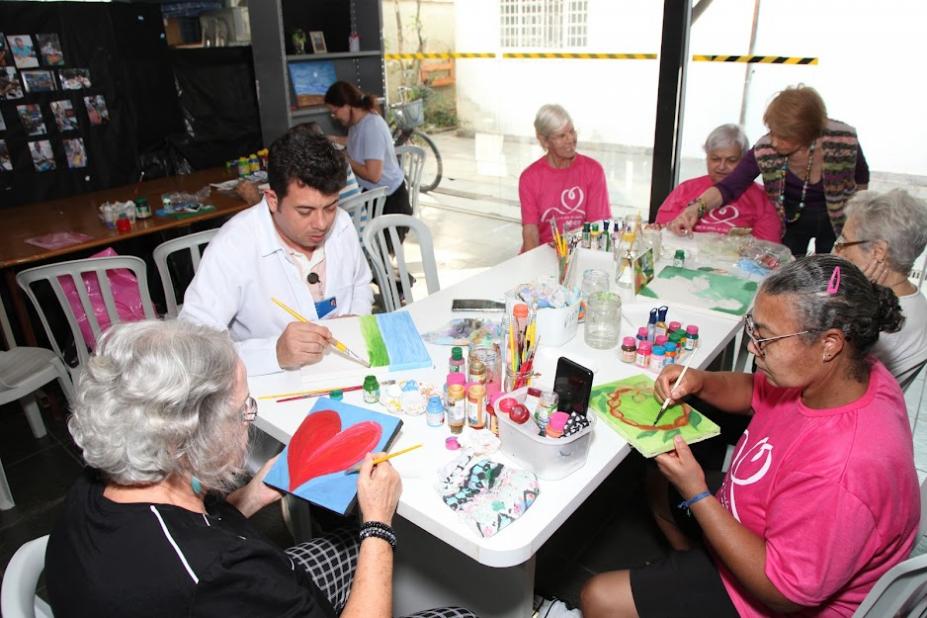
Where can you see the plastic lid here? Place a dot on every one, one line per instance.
(371, 382)
(660, 339)
(451, 443)
(434, 404)
(520, 310)
(629, 342)
(558, 420)
(692, 329)
(456, 353)
(337, 395)
(644, 347)
(679, 253)
(658, 350)
(674, 326)
(642, 331)
(670, 347)
(456, 378)
(409, 385)
(476, 367)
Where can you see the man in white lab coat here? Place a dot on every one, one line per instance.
(295, 245)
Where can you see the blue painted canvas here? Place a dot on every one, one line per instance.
(332, 438)
(311, 80)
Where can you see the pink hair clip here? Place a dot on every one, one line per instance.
(834, 284)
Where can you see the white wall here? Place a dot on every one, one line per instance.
(868, 72)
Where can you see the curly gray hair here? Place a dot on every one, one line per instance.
(155, 400)
(895, 217)
(550, 119)
(725, 136)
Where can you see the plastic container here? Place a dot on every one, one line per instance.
(550, 459)
(557, 326)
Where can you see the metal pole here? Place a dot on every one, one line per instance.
(748, 73)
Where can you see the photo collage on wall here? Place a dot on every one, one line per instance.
(34, 73)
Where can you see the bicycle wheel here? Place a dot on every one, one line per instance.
(431, 174)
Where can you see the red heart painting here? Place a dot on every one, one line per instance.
(319, 446)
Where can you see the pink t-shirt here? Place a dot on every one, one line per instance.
(752, 209)
(833, 492)
(571, 196)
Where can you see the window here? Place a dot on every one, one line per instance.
(545, 24)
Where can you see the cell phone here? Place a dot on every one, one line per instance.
(573, 385)
(476, 304)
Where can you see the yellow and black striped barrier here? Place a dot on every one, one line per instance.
(577, 56)
(438, 56)
(756, 59)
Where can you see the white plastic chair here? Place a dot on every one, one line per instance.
(412, 162)
(74, 270)
(365, 207)
(162, 253)
(394, 282)
(18, 598)
(22, 372)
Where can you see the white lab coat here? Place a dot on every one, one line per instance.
(245, 265)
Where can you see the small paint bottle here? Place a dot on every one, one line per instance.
(336, 395)
(673, 327)
(642, 335)
(669, 354)
(661, 321)
(371, 389)
(691, 337)
(254, 164)
(628, 350)
(587, 236)
(476, 406)
(434, 413)
(643, 354)
(456, 364)
(660, 340)
(656, 358)
(456, 408)
(547, 405)
(679, 258)
(244, 166)
(453, 378)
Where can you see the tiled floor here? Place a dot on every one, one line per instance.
(610, 530)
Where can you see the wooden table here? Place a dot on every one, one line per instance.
(80, 213)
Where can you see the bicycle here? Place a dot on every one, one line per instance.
(405, 118)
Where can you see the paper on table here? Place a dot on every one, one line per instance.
(701, 289)
(56, 240)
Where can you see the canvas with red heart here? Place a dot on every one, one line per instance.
(333, 437)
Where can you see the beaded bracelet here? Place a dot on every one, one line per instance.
(687, 504)
(378, 530)
(701, 207)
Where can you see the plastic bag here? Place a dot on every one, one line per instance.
(126, 297)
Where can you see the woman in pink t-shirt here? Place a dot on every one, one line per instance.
(821, 498)
(724, 149)
(563, 186)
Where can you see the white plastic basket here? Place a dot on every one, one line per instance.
(409, 115)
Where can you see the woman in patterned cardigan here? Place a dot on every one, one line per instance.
(811, 165)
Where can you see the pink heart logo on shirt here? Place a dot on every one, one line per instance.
(726, 215)
(572, 199)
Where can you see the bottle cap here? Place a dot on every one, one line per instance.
(674, 326)
(558, 420)
(629, 342)
(520, 310)
(670, 347)
(658, 350)
(642, 332)
(477, 367)
(337, 395)
(371, 383)
(660, 339)
(644, 347)
(692, 329)
(456, 353)
(679, 255)
(434, 404)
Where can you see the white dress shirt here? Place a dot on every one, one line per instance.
(245, 265)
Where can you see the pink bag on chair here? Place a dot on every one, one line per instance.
(125, 295)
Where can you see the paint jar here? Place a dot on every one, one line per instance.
(456, 364)
(123, 224)
(603, 320)
(336, 395)
(456, 408)
(657, 357)
(477, 373)
(476, 406)
(594, 280)
(434, 413)
(673, 327)
(670, 353)
(691, 337)
(547, 405)
(371, 389)
(244, 166)
(628, 350)
(587, 236)
(142, 208)
(660, 339)
(679, 258)
(642, 334)
(489, 355)
(643, 354)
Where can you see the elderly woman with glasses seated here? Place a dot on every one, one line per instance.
(724, 148)
(162, 416)
(883, 235)
(821, 498)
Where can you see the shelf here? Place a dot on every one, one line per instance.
(333, 56)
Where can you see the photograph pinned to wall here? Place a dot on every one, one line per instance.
(43, 159)
(317, 38)
(96, 109)
(23, 51)
(65, 116)
(39, 81)
(50, 47)
(643, 270)
(4, 52)
(75, 152)
(31, 118)
(10, 88)
(6, 164)
(74, 79)
(311, 80)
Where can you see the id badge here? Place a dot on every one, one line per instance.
(324, 307)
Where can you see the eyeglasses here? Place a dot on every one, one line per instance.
(842, 243)
(249, 410)
(760, 344)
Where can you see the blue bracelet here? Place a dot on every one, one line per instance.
(686, 504)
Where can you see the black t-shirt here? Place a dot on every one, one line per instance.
(110, 559)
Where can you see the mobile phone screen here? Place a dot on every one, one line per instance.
(573, 385)
(476, 304)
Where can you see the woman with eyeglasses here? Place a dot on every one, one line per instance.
(162, 415)
(810, 164)
(884, 235)
(821, 497)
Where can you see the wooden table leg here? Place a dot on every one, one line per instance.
(19, 307)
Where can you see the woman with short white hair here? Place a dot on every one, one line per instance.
(162, 415)
(563, 187)
(884, 234)
(752, 211)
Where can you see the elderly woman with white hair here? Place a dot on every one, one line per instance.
(883, 235)
(563, 186)
(724, 149)
(162, 416)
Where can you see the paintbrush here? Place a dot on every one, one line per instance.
(378, 460)
(332, 341)
(319, 392)
(666, 401)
